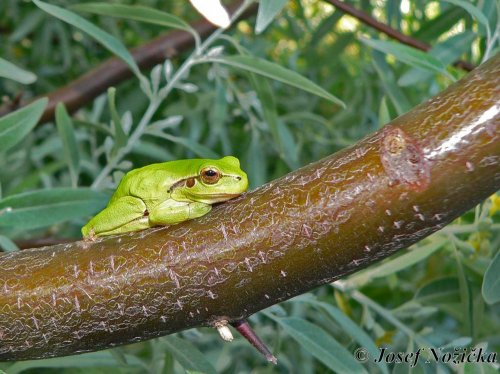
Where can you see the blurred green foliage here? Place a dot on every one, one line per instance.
(201, 105)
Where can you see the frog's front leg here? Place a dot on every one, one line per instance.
(171, 212)
(126, 214)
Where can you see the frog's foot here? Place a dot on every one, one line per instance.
(91, 236)
(247, 332)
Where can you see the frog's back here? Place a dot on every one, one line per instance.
(151, 182)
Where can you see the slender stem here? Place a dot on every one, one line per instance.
(122, 152)
(156, 100)
(247, 332)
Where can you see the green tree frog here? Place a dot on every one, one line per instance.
(168, 193)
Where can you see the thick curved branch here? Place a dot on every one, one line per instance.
(390, 32)
(308, 228)
(114, 71)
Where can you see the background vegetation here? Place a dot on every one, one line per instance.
(207, 103)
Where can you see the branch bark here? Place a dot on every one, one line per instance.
(308, 228)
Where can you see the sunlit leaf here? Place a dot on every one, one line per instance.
(10, 71)
(277, 72)
(15, 126)
(213, 11)
(473, 11)
(268, 9)
(431, 29)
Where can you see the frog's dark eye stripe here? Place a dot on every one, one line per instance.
(210, 175)
(190, 182)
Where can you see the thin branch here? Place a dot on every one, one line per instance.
(310, 227)
(390, 32)
(114, 71)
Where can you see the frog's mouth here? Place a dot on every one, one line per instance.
(220, 196)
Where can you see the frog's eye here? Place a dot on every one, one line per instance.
(210, 175)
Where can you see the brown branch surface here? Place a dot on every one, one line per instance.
(389, 31)
(308, 228)
(114, 71)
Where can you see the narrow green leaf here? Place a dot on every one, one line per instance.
(356, 332)
(27, 25)
(383, 113)
(399, 263)
(473, 11)
(266, 97)
(10, 71)
(135, 12)
(466, 298)
(67, 134)
(321, 345)
(32, 180)
(290, 149)
(447, 52)
(409, 259)
(195, 147)
(392, 90)
(86, 360)
(119, 135)
(43, 208)
(268, 9)
(491, 281)
(432, 29)
(15, 126)
(7, 245)
(256, 160)
(152, 150)
(408, 55)
(439, 291)
(101, 36)
(277, 72)
(187, 355)
(325, 28)
(479, 368)
(265, 94)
